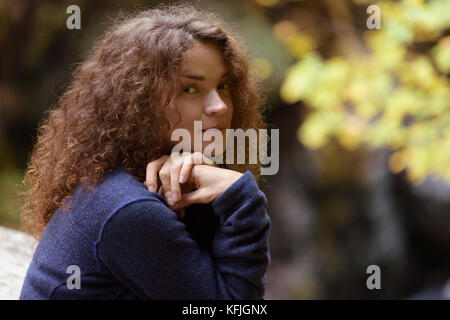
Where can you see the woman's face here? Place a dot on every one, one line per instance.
(203, 94)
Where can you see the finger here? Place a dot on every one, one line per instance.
(161, 190)
(152, 172)
(174, 182)
(189, 162)
(153, 167)
(171, 207)
(186, 169)
(200, 158)
(164, 176)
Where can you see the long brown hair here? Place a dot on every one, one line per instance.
(114, 111)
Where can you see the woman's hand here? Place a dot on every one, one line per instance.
(209, 182)
(184, 183)
(172, 171)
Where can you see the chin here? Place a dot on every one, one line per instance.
(216, 153)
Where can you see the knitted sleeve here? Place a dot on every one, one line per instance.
(148, 249)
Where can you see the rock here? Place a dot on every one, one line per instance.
(16, 252)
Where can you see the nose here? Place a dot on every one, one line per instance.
(215, 104)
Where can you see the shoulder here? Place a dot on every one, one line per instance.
(117, 188)
(119, 191)
(120, 186)
(138, 228)
(140, 218)
(130, 204)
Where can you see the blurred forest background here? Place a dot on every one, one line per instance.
(364, 130)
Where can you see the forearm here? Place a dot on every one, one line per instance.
(241, 243)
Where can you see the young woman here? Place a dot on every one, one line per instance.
(104, 193)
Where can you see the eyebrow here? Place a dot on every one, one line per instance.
(201, 78)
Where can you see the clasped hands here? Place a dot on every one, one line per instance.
(182, 182)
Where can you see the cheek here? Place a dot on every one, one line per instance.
(188, 118)
(185, 114)
(230, 111)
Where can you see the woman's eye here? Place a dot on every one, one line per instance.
(223, 86)
(189, 90)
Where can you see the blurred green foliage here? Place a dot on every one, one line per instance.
(10, 200)
(393, 93)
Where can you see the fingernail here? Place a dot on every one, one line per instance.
(151, 188)
(170, 201)
(175, 197)
(181, 179)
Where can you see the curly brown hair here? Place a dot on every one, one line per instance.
(114, 110)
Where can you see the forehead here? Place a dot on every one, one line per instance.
(204, 59)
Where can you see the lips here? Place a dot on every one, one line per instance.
(217, 127)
